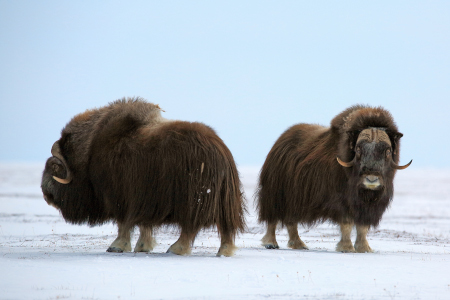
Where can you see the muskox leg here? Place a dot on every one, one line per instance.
(183, 245)
(146, 242)
(227, 247)
(269, 240)
(361, 243)
(122, 242)
(345, 244)
(294, 239)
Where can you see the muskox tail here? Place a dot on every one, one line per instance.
(231, 219)
(215, 196)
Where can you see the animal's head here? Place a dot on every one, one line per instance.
(376, 155)
(65, 186)
(55, 177)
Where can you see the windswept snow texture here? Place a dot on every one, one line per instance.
(42, 257)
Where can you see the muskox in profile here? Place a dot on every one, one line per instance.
(125, 163)
(343, 174)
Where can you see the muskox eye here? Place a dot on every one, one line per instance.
(358, 150)
(388, 153)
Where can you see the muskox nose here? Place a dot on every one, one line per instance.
(372, 178)
(371, 182)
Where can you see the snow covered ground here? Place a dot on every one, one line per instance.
(42, 257)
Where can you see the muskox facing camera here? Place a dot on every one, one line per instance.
(126, 163)
(343, 174)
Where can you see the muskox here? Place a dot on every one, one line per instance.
(343, 174)
(126, 163)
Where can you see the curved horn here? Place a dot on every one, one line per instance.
(63, 181)
(56, 152)
(345, 164)
(397, 167)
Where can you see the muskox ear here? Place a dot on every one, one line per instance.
(353, 137)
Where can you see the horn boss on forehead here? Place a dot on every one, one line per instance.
(376, 135)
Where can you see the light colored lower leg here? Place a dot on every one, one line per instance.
(269, 240)
(183, 245)
(122, 242)
(361, 243)
(227, 247)
(294, 239)
(146, 242)
(345, 244)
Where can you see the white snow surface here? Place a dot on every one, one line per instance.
(43, 257)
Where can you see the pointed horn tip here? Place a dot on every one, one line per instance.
(403, 167)
(62, 181)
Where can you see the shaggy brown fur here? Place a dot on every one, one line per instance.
(133, 167)
(302, 182)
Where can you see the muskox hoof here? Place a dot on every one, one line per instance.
(142, 246)
(179, 250)
(114, 249)
(227, 250)
(345, 247)
(120, 245)
(363, 247)
(297, 244)
(269, 242)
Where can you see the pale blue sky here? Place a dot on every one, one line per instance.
(249, 69)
